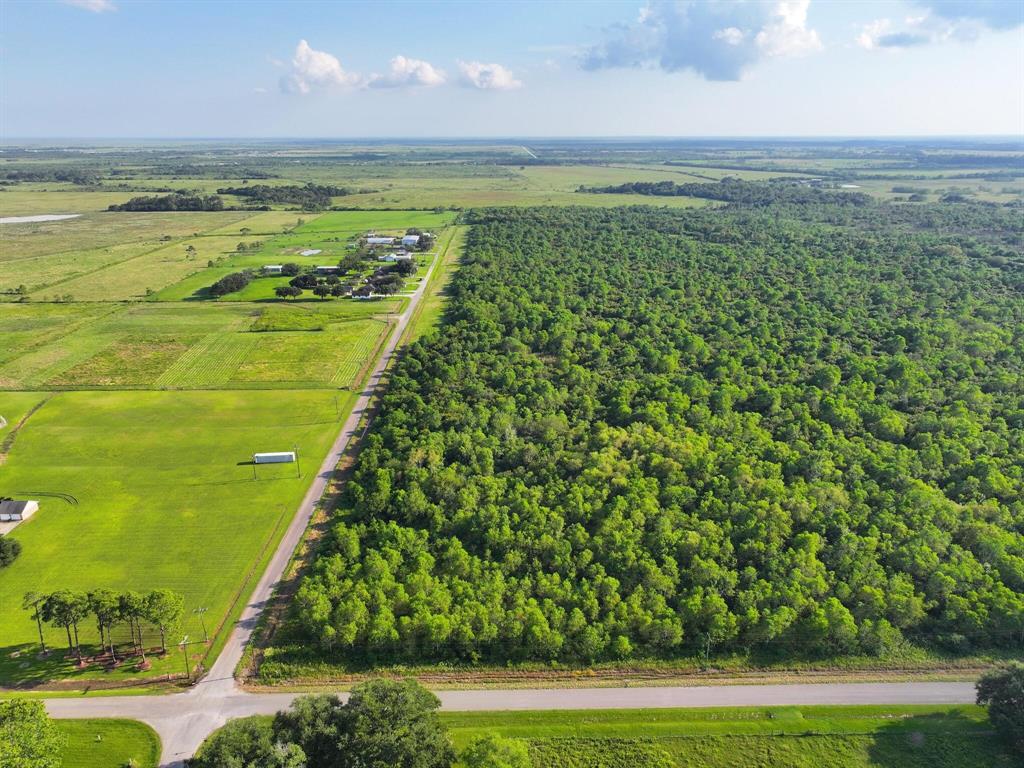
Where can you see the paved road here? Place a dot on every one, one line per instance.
(184, 720)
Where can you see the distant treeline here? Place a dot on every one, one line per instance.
(734, 191)
(312, 197)
(84, 178)
(175, 201)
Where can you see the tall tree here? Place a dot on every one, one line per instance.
(65, 608)
(493, 751)
(33, 601)
(132, 608)
(164, 610)
(1002, 691)
(28, 738)
(105, 605)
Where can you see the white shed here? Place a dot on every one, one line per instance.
(380, 240)
(277, 457)
(411, 240)
(273, 269)
(13, 511)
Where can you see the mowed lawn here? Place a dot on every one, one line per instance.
(794, 737)
(166, 500)
(108, 744)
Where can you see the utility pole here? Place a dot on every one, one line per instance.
(202, 622)
(184, 653)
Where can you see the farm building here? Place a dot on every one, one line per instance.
(13, 511)
(380, 240)
(273, 269)
(393, 257)
(328, 270)
(411, 240)
(275, 457)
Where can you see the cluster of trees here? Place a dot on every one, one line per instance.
(176, 201)
(731, 190)
(388, 281)
(9, 550)
(1002, 690)
(161, 609)
(384, 724)
(236, 281)
(652, 432)
(426, 241)
(253, 246)
(310, 197)
(28, 737)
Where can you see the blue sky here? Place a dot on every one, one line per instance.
(119, 68)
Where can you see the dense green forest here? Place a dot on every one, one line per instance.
(651, 432)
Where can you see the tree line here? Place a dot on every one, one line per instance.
(310, 197)
(161, 609)
(731, 190)
(644, 432)
(176, 201)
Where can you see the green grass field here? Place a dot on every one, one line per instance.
(745, 737)
(166, 499)
(43, 253)
(182, 345)
(108, 744)
(794, 737)
(166, 494)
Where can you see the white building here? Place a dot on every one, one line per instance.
(276, 457)
(393, 257)
(12, 511)
(411, 240)
(380, 240)
(328, 270)
(273, 269)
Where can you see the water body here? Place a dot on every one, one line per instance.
(41, 217)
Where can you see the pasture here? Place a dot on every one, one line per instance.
(183, 346)
(166, 499)
(139, 275)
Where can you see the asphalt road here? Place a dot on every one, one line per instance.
(184, 720)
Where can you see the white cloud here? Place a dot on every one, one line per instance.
(96, 6)
(730, 35)
(312, 69)
(787, 34)
(961, 20)
(408, 72)
(717, 40)
(492, 77)
(871, 32)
